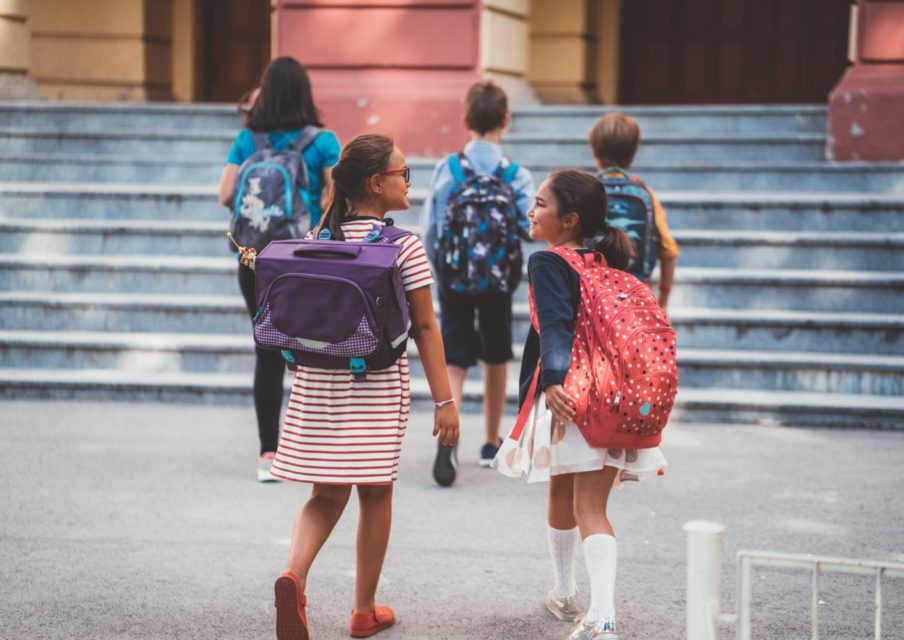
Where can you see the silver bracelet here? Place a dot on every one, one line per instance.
(440, 405)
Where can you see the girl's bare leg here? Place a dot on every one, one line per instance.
(313, 526)
(374, 524)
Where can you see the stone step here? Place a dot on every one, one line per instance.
(802, 290)
(528, 148)
(80, 201)
(777, 175)
(691, 120)
(784, 211)
(120, 168)
(732, 249)
(784, 330)
(702, 176)
(134, 312)
(123, 117)
(747, 329)
(164, 143)
(536, 148)
(653, 119)
(714, 405)
(787, 211)
(791, 250)
(234, 353)
(727, 406)
(797, 290)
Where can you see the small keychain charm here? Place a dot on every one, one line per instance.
(247, 255)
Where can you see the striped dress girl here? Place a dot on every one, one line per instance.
(339, 430)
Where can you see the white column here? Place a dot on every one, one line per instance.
(704, 579)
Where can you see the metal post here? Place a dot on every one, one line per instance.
(704, 578)
(878, 625)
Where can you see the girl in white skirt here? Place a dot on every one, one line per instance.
(341, 432)
(569, 209)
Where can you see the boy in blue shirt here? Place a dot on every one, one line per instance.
(490, 338)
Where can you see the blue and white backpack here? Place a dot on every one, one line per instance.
(479, 249)
(630, 208)
(267, 202)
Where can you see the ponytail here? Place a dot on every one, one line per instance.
(616, 247)
(336, 212)
(363, 157)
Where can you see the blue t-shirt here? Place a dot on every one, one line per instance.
(323, 152)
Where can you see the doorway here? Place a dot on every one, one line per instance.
(731, 51)
(235, 47)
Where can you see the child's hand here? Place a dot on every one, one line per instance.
(560, 403)
(445, 424)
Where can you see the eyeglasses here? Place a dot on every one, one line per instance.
(405, 171)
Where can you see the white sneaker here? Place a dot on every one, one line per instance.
(594, 630)
(264, 465)
(563, 608)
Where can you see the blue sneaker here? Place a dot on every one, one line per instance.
(487, 452)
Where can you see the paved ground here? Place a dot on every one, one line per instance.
(145, 521)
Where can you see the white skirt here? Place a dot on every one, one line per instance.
(546, 449)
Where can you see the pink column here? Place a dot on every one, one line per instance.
(867, 104)
(394, 66)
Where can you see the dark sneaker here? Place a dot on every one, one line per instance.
(487, 453)
(446, 465)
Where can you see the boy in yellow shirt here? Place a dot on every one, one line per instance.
(614, 140)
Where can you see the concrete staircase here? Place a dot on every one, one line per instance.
(116, 282)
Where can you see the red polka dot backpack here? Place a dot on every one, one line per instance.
(624, 371)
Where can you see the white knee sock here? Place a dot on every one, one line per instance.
(599, 555)
(562, 547)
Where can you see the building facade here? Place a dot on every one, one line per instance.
(402, 65)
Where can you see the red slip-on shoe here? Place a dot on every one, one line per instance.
(367, 624)
(291, 620)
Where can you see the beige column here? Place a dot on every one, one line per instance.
(103, 49)
(505, 45)
(562, 51)
(574, 50)
(185, 52)
(15, 51)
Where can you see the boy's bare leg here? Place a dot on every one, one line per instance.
(457, 377)
(494, 378)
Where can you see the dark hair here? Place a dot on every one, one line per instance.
(486, 106)
(285, 100)
(581, 193)
(615, 138)
(363, 157)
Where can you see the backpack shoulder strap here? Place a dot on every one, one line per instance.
(580, 262)
(459, 167)
(507, 170)
(306, 138)
(392, 233)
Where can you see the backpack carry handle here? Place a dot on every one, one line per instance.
(334, 249)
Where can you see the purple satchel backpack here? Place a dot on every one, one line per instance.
(331, 304)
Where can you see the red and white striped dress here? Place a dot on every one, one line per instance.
(342, 431)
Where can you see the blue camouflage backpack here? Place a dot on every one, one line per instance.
(268, 199)
(630, 208)
(478, 249)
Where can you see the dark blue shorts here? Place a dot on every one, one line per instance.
(486, 337)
